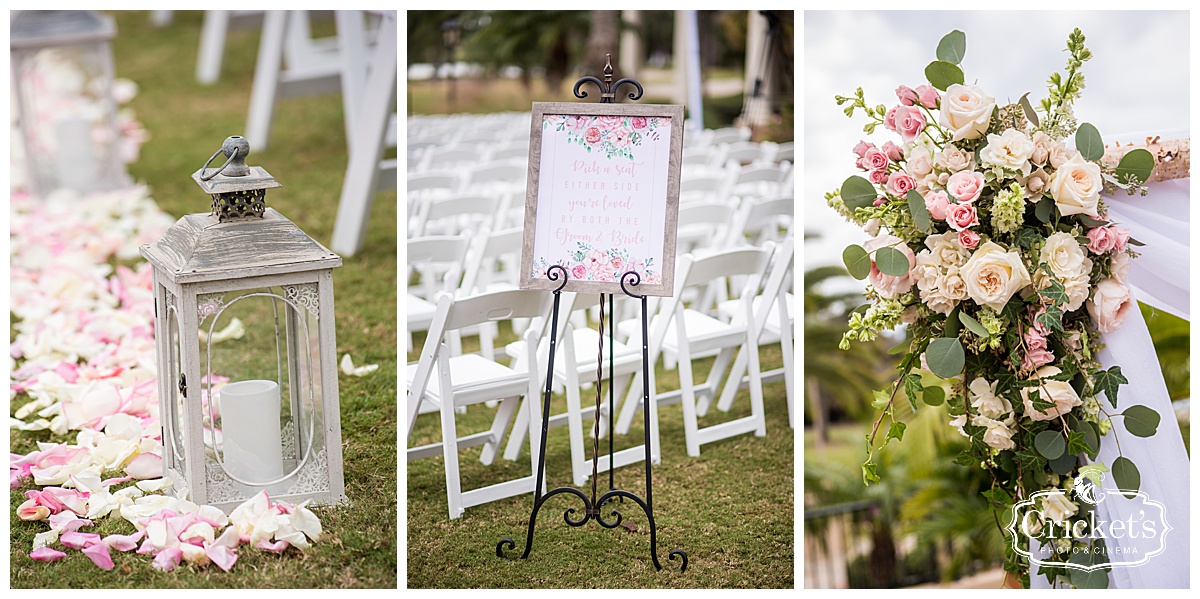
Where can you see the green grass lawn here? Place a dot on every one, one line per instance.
(187, 123)
(731, 509)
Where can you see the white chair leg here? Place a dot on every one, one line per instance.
(633, 400)
(733, 382)
(521, 429)
(499, 424)
(756, 392)
(450, 446)
(579, 469)
(710, 384)
(691, 428)
(266, 79)
(212, 46)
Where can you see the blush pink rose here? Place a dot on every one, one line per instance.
(907, 95)
(910, 122)
(579, 271)
(878, 177)
(592, 135)
(889, 286)
(861, 148)
(893, 152)
(879, 201)
(1110, 304)
(889, 119)
(928, 96)
(968, 238)
(961, 216)
(1101, 240)
(900, 183)
(638, 122)
(874, 159)
(965, 186)
(938, 204)
(1122, 236)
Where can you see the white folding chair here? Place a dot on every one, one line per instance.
(686, 333)
(491, 265)
(703, 226)
(457, 213)
(452, 382)
(758, 181)
(434, 259)
(217, 24)
(423, 188)
(576, 368)
(761, 221)
(743, 152)
(769, 328)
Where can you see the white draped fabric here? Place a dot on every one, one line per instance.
(1160, 279)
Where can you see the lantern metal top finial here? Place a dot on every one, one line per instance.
(238, 191)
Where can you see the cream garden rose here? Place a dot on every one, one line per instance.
(986, 402)
(1010, 150)
(1076, 187)
(1070, 264)
(966, 111)
(890, 286)
(1059, 392)
(993, 275)
(997, 433)
(1057, 507)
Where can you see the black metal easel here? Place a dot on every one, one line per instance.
(593, 506)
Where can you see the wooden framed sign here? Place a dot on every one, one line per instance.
(602, 196)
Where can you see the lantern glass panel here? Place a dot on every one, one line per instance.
(258, 356)
(173, 407)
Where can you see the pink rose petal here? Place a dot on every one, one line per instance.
(145, 466)
(222, 556)
(98, 552)
(167, 559)
(276, 547)
(79, 540)
(46, 554)
(124, 542)
(68, 521)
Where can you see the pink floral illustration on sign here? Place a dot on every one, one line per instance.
(594, 264)
(612, 136)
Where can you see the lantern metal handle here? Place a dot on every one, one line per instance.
(234, 146)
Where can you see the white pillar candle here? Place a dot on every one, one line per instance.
(77, 165)
(250, 434)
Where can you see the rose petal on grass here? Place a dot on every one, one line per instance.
(167, 559)
(46, 554)
(275, 547)
(348, 367)
(145, 466)
(67, 521)
(222, 556)
(79, 540)
(154, 484)
(98, 553)
(124, 542)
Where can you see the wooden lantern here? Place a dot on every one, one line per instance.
(246, 349)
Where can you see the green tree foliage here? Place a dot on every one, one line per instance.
(549, 39)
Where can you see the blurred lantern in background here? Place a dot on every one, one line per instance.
(246, 349)
(62, 88)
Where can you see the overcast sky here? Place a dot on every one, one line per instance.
(1137, 81)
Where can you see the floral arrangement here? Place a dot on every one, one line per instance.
(993, 245)
(613, 136)
(594, 264)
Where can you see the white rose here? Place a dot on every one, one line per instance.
(890, 286)
(920, 164)
(1010, 150)
(954, 287)
(1070, 264)
(1060, 154)
(959, 422)
(1110, 305)
(1076, 187)
(1035, 183)
(986, 402)
(966, 110)
(1059, 392)
(1119, 266)
(937, 300)
(998, 434)
(1057, 507)
(946, 251)
(993, 275)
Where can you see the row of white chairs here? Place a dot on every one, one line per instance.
(757, 313)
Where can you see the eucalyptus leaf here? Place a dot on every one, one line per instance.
(1088, 142)
(1050, 444)
(1044, 210)
(891, 261)
(1027, 108)
(1091, 436)
(1091, 222)
(1138, 163)
(857, 192)
(945, 357)
(1141, 420)
(1064, 464)
(933, 396)
(953, 47)
(857, 261)
(942, 74)
(953, 324)
(1126, 475)
(1133, 241)
(973, 325)
(920, 214)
